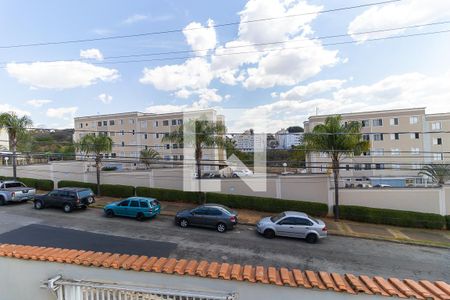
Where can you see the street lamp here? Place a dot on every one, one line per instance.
(284, 165)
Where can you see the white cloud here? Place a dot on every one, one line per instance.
(91, 54)
(397, 14)
(60, 74)
(105, 98)
(314, 88)
(65, 113)
(9, 108)
(200, 37)
(38, 102)
(134, 19)
(194, 74)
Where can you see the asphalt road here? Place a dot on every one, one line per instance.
(20, 222)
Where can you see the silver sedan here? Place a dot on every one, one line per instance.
(292, 224)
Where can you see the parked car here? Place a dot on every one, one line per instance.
(292, 224)
(382, 185)
(67, 198)
(135, 207)
(209, 215)
(15, 191)
(242, 173)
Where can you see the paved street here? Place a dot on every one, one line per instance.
(243, 245)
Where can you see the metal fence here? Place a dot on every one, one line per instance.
(86, 290)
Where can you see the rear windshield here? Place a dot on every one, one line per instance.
(155, 202)
(277, 217)
(311, 218)
(84, 193)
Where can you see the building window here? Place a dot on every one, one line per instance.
(99, 124)
(365, 123)
(377, 152)
(131, 121)
(145, 136)
(174, 146)
(438, 156)
(157, 135)
(122, 132)
(143, 124)
(413, 120)
(166, 157)
(415, 167)
(415, 136)
(357, 167)
(132, 132)
(366, 137)
(379, 166)
(174, 122)
(175, 157)
(367, 166)
(81, 125)
(181, 157)
(436, 126)
(395, 151)
(146, 147)
(156, 123)
(105, 123)
(377, 122)
(166, 123)
(395, 166)
(123, 144)
(181, 146)
(415, 151)
(394, 121)
(121, 122)
(111, 122)
(395, 136)
(180, 121)
(437, 141)
(167, 146)
(113, 155)
(378, 137)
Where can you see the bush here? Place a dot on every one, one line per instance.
(69, 183)
(267, 204)
(392, 217)
(112, 168)
(116, 190)
(39, 184)
(447, 218)
(170, 195)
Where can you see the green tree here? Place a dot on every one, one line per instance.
(297, 156)
(95, 145)
(200, 134)
(148, 156)
(295, 129)
(337, 140)
(15, 126)
(439, 173)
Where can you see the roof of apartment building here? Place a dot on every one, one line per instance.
(294, 278)
(142, 114)
(374, 112)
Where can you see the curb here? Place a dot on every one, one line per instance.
(338, 233)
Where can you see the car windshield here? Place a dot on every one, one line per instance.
(277, 217)
(14, 184)
(84, 193)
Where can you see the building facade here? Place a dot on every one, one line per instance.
(286, 139)
(132, 132)
(247, 141)
(402, 141)
(4, 140)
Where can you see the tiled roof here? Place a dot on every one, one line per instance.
(295, 278)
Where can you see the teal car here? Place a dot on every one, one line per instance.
(135, 207)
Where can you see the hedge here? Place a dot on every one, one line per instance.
(170, 195)
(39, 184)
(69, 183)
(267, 204)
(447, 218)
(116, 190)
(391, 217)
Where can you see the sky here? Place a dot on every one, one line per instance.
(264, 75)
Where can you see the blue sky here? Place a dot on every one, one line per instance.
(267, 89)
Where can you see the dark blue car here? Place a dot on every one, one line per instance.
(135, 207)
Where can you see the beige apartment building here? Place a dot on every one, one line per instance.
(132, 132)
(402, 141)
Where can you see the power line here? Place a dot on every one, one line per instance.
(190, 29)
(249, 45)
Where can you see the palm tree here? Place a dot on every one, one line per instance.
(147, 156)
(200, 133)
(15, 126)
(439, 173)
(96, 145)
(337, 140)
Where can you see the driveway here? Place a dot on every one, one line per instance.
(242, 245)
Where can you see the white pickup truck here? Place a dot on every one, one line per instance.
(15, 191)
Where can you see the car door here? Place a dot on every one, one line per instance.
(287, 227)
(133, 208)
(302, 227)
(214, 216)
(198, 216)
(51, 198)
(122, 207)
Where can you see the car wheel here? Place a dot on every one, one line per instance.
(67, 208)
(109, 213)
(269, 233)
(2, 201)
(311, 238)
(90, 200)
(221, 227)
(184, 223)
(140, 217)
(38, 205)
(235, 175)
(84, 207)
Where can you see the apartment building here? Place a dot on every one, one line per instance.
(401, 142)
(247, 141)
(4, 140)
(132, 132)
(288, 139)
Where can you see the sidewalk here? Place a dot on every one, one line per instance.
(416, 236)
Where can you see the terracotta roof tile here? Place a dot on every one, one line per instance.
(294, 278)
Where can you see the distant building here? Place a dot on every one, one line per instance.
(247, 141)
(4, 140)
(401, 142)
(288, 139)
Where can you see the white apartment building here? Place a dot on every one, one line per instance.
(401, 142)
(247, 141)
(132, 132)
(287, 139)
